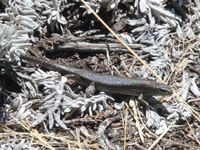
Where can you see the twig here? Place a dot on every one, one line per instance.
(95, 47)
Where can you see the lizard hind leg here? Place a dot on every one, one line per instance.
(90, 90)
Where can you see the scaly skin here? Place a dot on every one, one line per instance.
(107, 83)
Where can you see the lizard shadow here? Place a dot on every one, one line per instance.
(148, 103)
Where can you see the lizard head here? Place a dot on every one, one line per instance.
(164, 90)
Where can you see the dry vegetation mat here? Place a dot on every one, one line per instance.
(42, 107)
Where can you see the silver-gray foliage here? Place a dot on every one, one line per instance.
(55, 100)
